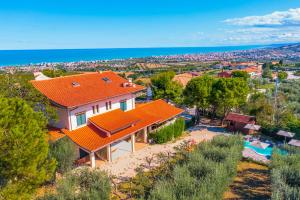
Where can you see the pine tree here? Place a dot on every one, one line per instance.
(24, 161)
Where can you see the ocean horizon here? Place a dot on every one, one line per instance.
(27, 57)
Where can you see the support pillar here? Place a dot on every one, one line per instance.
(133, 142)
(108, 153)
(149, 129)
(92, 160)
(145, 135)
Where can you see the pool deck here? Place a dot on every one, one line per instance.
(249, 153)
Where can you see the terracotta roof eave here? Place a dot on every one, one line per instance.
(171, 117)
(97, 149)
(85, 149)
(100, 128)
(124, 127)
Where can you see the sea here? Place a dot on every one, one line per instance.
(27, 57)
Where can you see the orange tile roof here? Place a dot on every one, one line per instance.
(250, 69)
(75, 90)
(91, 138)
(159, 108)
(114, 121)
(184, 78)
(55, 134)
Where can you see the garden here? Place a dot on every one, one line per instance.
(201, 171)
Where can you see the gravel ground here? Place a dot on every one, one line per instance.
(124, 167)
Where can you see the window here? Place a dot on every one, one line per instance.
(106, 80)
(80, 119)
(95, 109)
(123, 105)
(108, 105)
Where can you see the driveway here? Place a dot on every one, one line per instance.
(124, 166)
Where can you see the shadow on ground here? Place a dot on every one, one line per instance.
(252, 183)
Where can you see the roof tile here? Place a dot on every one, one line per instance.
(75, 90)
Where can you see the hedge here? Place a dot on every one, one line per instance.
(169, 132)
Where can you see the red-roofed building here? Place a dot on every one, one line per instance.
(97, 111)
(236, 122)
(224, 74)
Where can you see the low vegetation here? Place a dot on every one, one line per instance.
(81, 184)
(64, 152)
(169, 132)
(286, 175)
(203, 172)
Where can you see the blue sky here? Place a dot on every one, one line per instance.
(56, 24)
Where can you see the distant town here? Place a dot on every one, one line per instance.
(289, 53)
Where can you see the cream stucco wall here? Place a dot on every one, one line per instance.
(68, 118)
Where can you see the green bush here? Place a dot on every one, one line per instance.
(64, 151)
(285, 175)
(205, 174)
(169, 132)
(82, 184)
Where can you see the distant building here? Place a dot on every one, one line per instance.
(224, 74)
(238, 123)
(184, 78)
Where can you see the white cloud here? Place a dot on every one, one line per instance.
(262, 35)
(290, 17)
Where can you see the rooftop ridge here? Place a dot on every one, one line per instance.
(240, 114)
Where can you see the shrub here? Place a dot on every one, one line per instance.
(285, 175)
(82, 184)
(205, 174)
(64, 151)
(169, 132)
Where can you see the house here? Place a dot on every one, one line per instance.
(97, 111)
(253, 71)
(224, 74)
(241, 123)
(184, 78)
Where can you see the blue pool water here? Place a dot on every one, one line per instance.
(265, 152)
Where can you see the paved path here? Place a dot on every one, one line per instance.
(125, 166)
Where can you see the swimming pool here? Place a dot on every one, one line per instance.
(265, 152)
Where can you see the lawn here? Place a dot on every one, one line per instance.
(252, 182)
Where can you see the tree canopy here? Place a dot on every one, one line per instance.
(216, 94)
(267, 73)
(198, 93)
(240, 74)
(18, 85)
(282, 75)
(164, 87)
(24, 161)
(229, 93)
